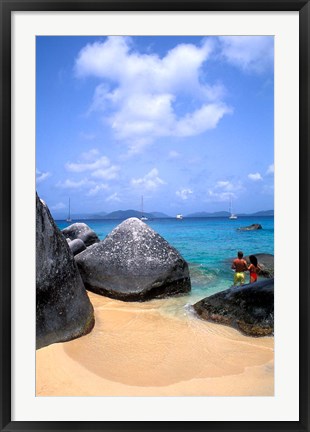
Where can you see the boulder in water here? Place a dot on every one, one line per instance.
(80, 230)
(252, 227)
(134, 263)
(250, 308)
(63, 310)
(76, 246)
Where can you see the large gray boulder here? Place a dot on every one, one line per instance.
(250, 308)
(63, 310)
(80, 230)
(134, 263)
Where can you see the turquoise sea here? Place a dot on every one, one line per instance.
(207, 244)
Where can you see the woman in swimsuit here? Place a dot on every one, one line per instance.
(253, 268)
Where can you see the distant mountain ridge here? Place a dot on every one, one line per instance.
(208, 214)
(226, 214)
(125, 214)
(264, 213)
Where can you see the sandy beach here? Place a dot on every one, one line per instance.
(142, 349)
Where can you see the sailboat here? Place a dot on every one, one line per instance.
(232, 215)
(69, 214)
(143, 218)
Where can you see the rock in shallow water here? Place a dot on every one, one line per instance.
(252, 227)
(250, 308)
(76, 246)
(63, 310)
(134, 263)
(80, 230)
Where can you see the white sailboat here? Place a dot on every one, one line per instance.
(232, 215)
(179, 216)
(143, 218)
(69, 214)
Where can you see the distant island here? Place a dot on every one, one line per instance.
(125, 214)
(227, 214)
(208, 214)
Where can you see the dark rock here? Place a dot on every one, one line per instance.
(134, 263)
(252, 227)
(80, 230)
(76, 246)
(63, 310)
(266, 263)
(250, 308)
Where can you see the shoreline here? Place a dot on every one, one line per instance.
(139, 349)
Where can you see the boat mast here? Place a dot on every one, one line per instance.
(69, 215)
(232, 215)
(143, 218)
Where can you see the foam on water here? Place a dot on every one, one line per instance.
(189, 311)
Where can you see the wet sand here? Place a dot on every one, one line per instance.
(142, 349)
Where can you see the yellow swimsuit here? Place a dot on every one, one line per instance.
(239, 277)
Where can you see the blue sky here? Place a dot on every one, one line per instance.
(187, 122)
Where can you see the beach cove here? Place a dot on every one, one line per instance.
(142, 349)
(161, 347)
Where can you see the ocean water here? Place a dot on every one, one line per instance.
(207, 244)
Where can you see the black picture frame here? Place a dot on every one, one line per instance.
(6, 9)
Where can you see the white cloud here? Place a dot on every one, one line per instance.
(116, 59)
(102, 162)
(221, 196)
(250, 53)
(151, 181)
(139, 92)
(225, 190)
(72, 184)
(197, 122)
(184, 194)
(58, 206)
(270, 169)
(255, 177)
(99, 167)
(41, 176)
(226, 185)
(143, 114)
(107, 173)
(96, 189)
(103, 58)
(114, 197)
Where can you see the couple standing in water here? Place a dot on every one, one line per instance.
(240, 266)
